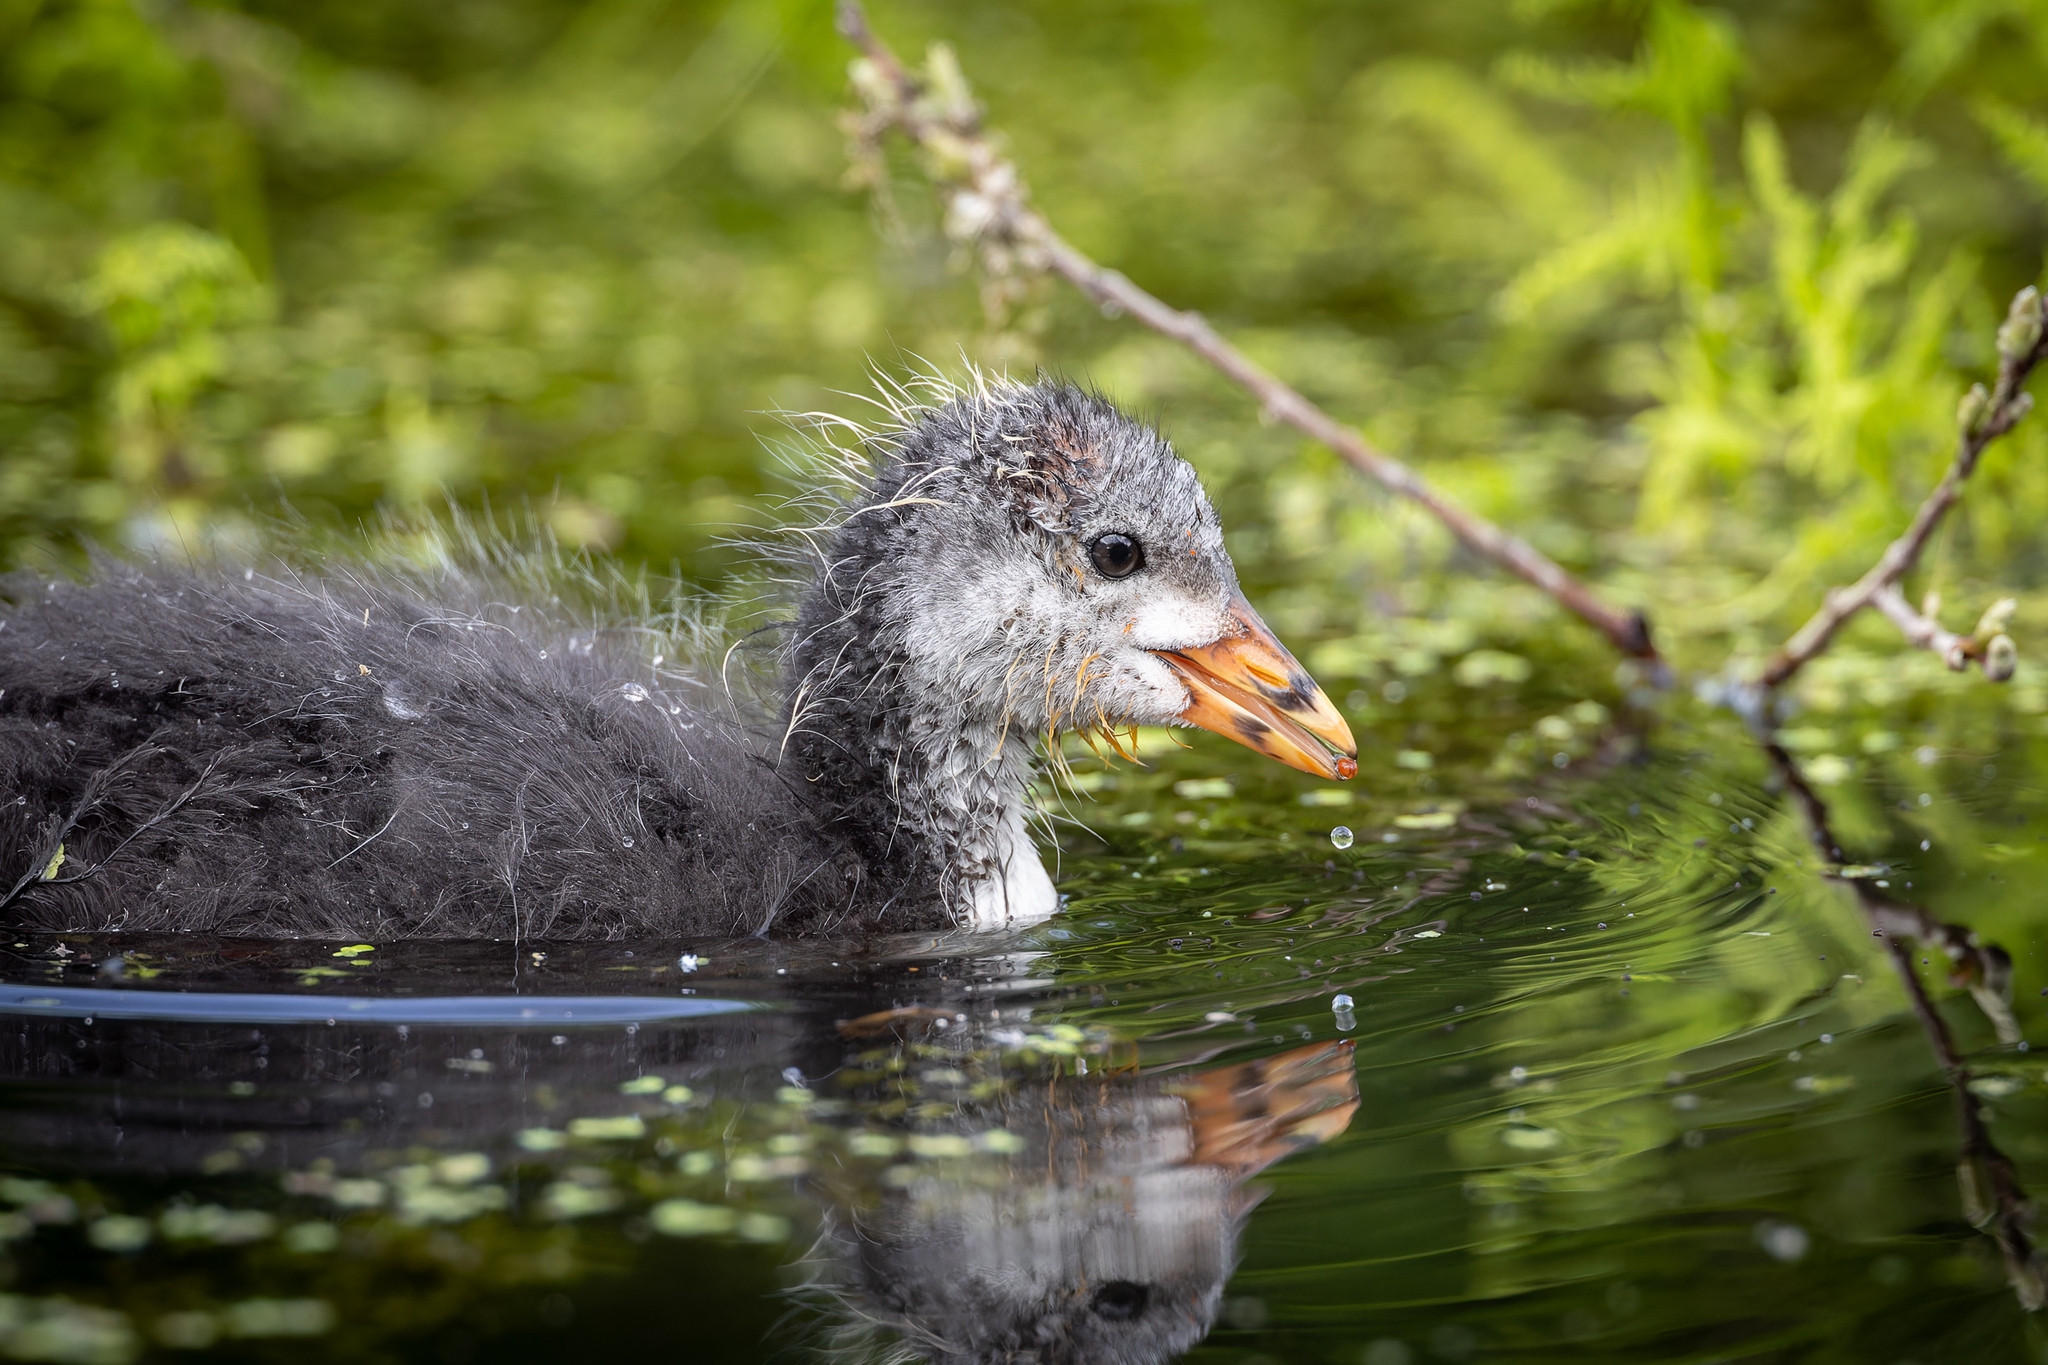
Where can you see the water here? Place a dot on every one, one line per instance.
(1634, 1082)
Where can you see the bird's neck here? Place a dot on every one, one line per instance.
(930, 786)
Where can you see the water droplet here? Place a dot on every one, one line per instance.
(1341, 837)
(1341, 1002)
(628, 841)
(633, 692)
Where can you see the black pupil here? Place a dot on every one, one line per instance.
(1115, 555)
(1120, 1300)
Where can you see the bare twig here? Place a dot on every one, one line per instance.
(1988, 646)
(986, 207)
(1992, 1195)
(1982, 418)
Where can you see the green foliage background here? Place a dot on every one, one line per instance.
(1684, 294)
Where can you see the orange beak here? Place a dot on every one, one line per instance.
(1247, 687)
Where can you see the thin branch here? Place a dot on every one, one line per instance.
(1993, 1198)
(1988, 646)
(1982, 419)
(985, 206)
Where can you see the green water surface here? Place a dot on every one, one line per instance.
(1637, 1084)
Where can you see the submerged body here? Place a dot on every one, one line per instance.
(411, 757)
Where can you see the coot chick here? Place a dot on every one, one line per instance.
(370, 754)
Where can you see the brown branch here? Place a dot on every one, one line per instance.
(1988, 646)
(985, 207)
(1982, 419)
(1992, 1196)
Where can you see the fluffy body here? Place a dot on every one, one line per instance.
(361, 763)
(388, 756)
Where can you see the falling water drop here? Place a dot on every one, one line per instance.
(633, 692)
(1341, 836)
(1341, 1002)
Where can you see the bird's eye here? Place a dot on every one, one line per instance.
(1116, 555)
(1120, 1300)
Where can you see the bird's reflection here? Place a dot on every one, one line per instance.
(1114, 1226)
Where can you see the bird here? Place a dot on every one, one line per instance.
(354, 749)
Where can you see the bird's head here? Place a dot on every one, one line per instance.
(1044, 562)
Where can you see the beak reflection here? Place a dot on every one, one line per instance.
(1247, 687)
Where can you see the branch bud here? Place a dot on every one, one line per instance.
(2001, 658)
(2021, 331)
(1995, 619)
(949, 83)
(1970, 411)
(869, 82)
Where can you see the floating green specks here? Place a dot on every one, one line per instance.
(678, 1094)
(873, 1144)
(278, 1318)
(574, 1199)
(543, 1139)
(697, 1163)
(793, 1094)
(1204, 789)
(643, 1085)
(464, 1168)
(1527, 1137)
(57, 1329)
(357, 1194)
(688, 1218)
(356, 950)
(56, 861)
(311, 1238)
(440, 1204)
(1434, 819)
(998, 1140)
(119, 1232)
(624, 1128)
(212, 1223)
(753, 1167)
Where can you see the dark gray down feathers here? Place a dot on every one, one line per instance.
(323, 758)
